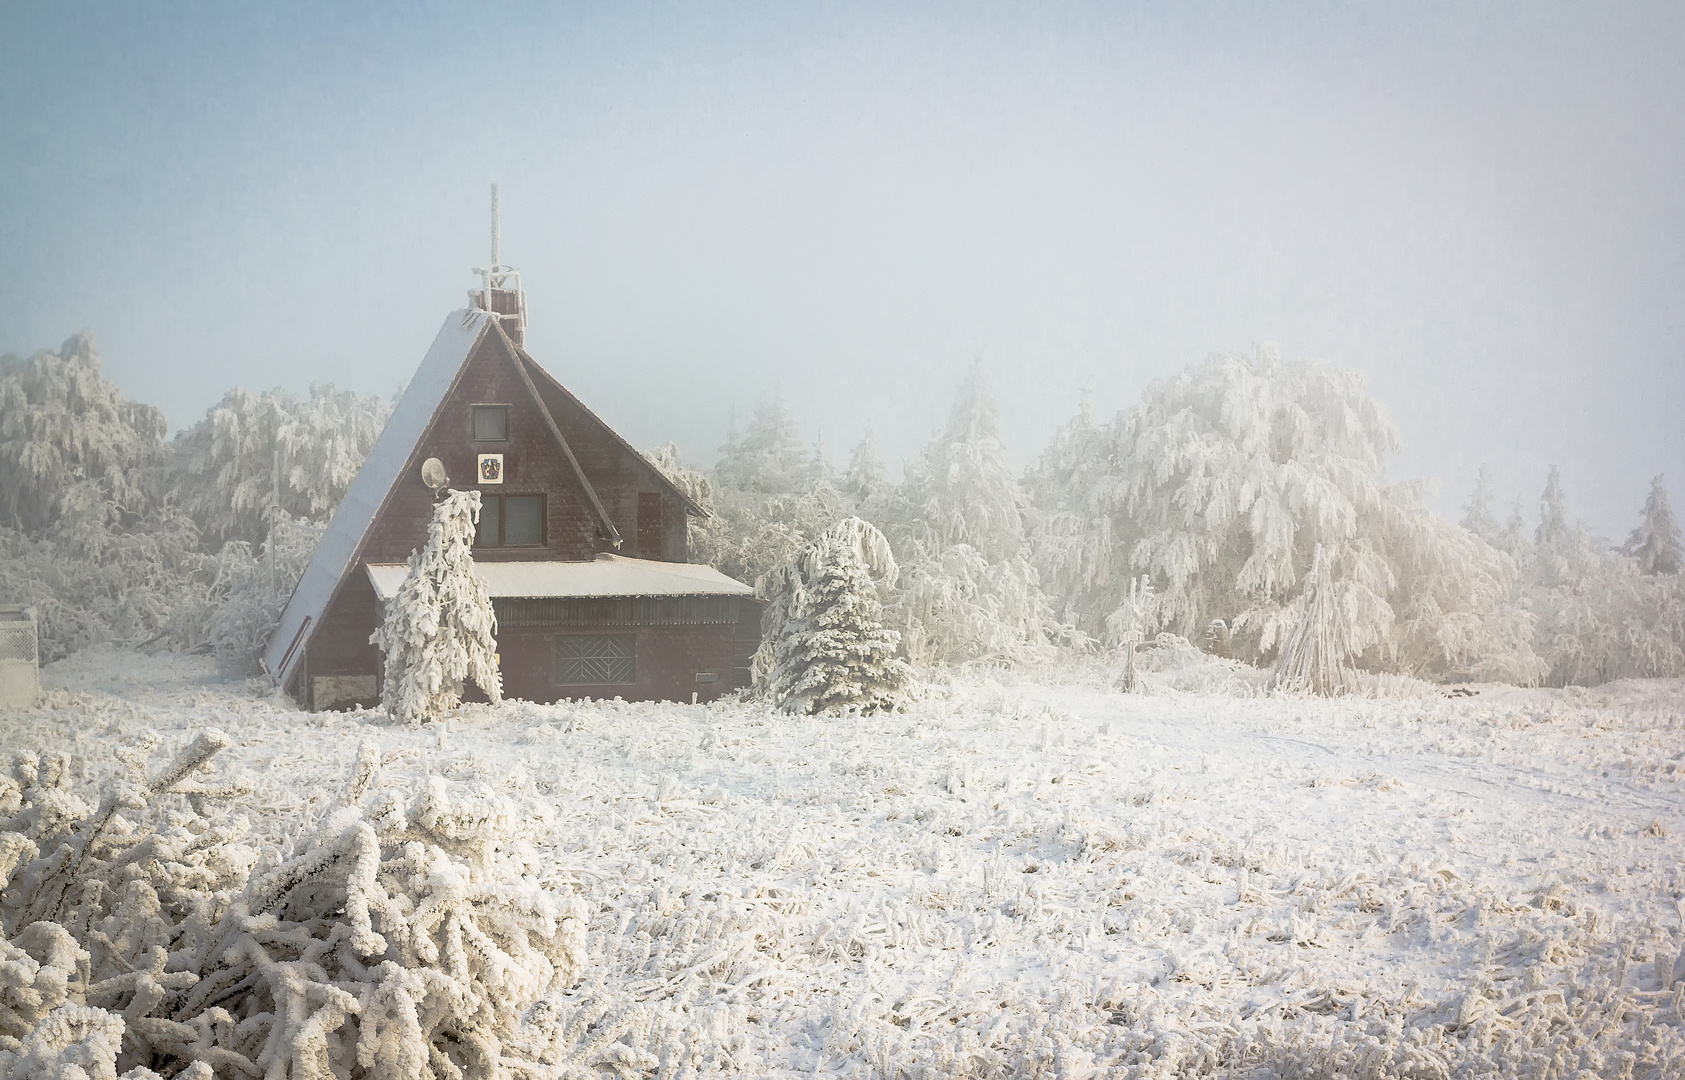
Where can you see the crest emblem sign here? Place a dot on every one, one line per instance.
(490, 469)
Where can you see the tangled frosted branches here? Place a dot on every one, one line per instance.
(408, 938)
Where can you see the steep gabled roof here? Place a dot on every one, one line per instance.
(547, 382)
(338, 548)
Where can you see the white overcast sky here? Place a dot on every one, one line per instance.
(1480, 207)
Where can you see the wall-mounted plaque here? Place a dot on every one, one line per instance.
(490, 469)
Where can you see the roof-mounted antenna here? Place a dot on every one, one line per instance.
(500, 291)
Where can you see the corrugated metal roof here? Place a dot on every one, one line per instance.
(606, 575)
(339, 545)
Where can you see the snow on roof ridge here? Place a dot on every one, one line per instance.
(337, 552)
(604, 576)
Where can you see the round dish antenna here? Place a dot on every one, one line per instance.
(433, 473)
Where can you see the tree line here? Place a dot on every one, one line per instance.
(1197, 513)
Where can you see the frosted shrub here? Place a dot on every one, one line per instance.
(407, 938)
(95, 578)
(251, 588)
(824, 647)
(440, 628)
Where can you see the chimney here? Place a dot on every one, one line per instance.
(500, 290)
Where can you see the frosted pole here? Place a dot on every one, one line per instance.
(496, 257)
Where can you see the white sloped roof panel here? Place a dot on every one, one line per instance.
(380, 471)
(606, 575)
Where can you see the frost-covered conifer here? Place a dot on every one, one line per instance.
(439, 628)
(1657, 543)
(1477, 515)
(866, 481)
(969, 594)
(1554, 530)
(824, 646)
(1513, 542)
(770, 458)
(772, 494)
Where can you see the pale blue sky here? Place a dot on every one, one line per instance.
(1481, 207)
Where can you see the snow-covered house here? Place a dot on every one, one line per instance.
(582, 542)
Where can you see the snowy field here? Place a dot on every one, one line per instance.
(1051, 879)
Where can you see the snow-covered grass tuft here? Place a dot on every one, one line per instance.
(1018, 879)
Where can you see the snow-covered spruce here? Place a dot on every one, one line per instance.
(824, 647)
(407, 938)
(1657, 543)
(439, 628)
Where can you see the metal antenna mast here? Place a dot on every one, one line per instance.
(500, 286)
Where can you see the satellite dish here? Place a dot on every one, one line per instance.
(433, 473)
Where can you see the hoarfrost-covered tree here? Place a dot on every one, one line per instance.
(1554, 530)
(866, 480)
(1598, 614)
(62, 423)
(1072, 530)
(1513, 542)
(824, 645)
(773, 493)
(693, 482)
(1221, 484)
(1477, 515)
(1657, 543)
(226, 465)
(1313, 651)
(770, 458)
(439, 628)
(970, 593)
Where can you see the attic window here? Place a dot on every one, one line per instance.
(491, 423)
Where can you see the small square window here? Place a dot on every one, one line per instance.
(491, 423)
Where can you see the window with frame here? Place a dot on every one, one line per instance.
(596, 659)
(490, 423)
(510, 521)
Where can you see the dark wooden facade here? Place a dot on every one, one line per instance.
(681, 648)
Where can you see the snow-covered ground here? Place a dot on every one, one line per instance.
(1052, 878)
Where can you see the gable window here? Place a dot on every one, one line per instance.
(596, 659)
(491, 423)
(511, 521)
